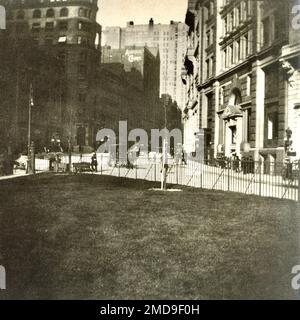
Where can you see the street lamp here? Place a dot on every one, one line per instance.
(30, 144)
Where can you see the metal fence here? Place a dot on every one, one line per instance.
(268, 179)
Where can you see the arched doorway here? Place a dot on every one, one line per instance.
(233, 124)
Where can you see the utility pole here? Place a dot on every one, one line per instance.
(29, 119)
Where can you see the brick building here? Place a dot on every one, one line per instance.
(242, 77)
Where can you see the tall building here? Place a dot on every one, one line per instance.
(242, 78)
(171, 41)
(145, 63)
(69, 31)
(85, 95)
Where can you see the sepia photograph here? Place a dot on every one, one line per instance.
(149, 151)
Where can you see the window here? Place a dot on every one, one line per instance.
(243, 11)
(224, 58)
(84, 26)
(233, 134)
(266, 31)
(84, 13)
(64, 12)
(63, 25)
(20, 15)
(62, 39)
(83, 56)
(232, 24)
(231, 56)
(211, 8)
(225, 25)
(246, 42)
(36, 14)
(221, 96)
(238, 50)
(49, 26)
(21, 27)
(248, 86)
(48, 41)
(272, 123)
(36, 27)
(82, 97)
(238, 16)
(207, 63)
(207, 38)
(50, 13)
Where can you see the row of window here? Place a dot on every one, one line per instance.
(62, 26)
(50, 13)
(237, 51)
(63, 40)
(236, 16)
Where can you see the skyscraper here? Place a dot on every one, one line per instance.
(171, 41)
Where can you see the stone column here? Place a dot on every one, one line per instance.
(259, 76)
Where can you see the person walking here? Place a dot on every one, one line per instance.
(94, 162)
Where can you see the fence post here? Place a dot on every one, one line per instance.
(136, 172)
(119, 169)
(177, 173)
(299, 181)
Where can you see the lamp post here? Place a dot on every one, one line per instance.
(30, 144)
(164, 151)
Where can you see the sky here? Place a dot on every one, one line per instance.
(118, 12)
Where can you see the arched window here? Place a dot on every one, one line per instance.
(50, 13)
(64, 12)
(20, 15)
(81, 12)
(36, 14)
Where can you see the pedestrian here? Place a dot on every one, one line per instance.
(94, 162)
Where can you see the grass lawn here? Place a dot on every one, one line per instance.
(99, 237)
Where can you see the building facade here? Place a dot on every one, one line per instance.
(170, 39)
(87, 95)
(140, 67)
(69, 32)
(242, 78)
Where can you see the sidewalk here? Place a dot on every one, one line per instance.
(18, 173)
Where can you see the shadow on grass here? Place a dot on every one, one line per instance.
(99, 237)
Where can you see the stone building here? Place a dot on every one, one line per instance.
(170, 39)
(242, 78)
(89, 95)
(69, 31)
